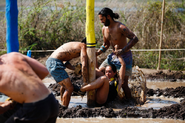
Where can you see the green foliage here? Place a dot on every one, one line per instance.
(2, 52)
(47, 25)
(169, 60)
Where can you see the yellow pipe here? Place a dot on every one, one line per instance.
(90, 34)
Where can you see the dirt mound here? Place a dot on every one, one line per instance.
(172, 76)
(175, 111)
(178, 92)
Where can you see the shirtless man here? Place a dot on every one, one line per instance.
(59, 60)
(116, 33)
(21, 80)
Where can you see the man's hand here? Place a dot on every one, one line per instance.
(117, 51)
(97, 53)
(5, 106)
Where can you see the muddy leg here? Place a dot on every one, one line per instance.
(68, 91)
(62, 90)
(102, 86)
(126, 88)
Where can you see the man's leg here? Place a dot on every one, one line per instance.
(62, 90)
(68, 91)
(126, 88)
(102, 86)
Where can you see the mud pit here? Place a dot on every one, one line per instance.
(130, 108)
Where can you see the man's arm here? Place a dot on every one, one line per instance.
(69, 66)
(37, 67)
(105, 45)
(121, 71)
(83, 56)
(130, 35)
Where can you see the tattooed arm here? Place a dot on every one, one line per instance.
(130, 35)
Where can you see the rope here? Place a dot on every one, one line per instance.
(134, 50)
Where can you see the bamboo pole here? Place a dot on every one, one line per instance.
(91, 50)
(161, 35)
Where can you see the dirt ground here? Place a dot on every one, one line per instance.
(175, 111)
(150, 74)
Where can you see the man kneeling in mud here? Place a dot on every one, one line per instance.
(59, 60)
(21, 80)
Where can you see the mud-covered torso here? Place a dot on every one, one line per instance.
(67, 51)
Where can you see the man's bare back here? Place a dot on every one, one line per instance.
(68, 51)
(19, 79)
(59, 61)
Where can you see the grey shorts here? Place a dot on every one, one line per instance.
(57, 69)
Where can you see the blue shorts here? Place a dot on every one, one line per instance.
(57, 69)
(112, 59)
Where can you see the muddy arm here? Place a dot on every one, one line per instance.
(84, 64)
(121, 71)
(69, 66)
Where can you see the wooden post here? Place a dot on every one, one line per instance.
(161, 35)
(91, 43)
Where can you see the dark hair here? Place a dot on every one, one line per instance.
(84, 41)
(106, 11)
(114, 69)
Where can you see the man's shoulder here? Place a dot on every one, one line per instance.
(121, 25)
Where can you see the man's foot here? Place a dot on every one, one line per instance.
(78, 91)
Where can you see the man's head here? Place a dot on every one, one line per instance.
(106, 14)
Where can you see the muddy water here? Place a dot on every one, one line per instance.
(151, 102)
(116, 120)
(163, 85)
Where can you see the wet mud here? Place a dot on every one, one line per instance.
(175, 111)
(130, 108)
(168, 75)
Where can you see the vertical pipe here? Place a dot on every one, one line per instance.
(91, 43)
(12, 26)
(161, 35)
